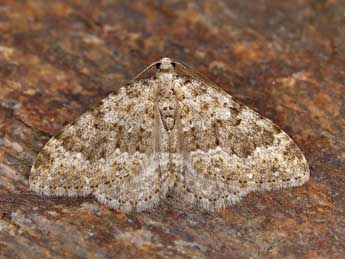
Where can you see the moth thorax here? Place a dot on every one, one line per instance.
(167, 109)
(166, 76)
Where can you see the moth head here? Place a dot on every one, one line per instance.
(166, 65)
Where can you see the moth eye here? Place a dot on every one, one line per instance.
(173, 64)
(158, 65)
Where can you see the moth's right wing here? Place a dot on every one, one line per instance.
(230, 150)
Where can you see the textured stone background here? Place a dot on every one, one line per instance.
(283, 58)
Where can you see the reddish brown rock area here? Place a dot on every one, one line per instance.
(283, 58)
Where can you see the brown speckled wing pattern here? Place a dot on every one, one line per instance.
(171, 132)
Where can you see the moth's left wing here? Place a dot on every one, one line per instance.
(110, 152)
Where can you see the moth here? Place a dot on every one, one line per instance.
(168, 131)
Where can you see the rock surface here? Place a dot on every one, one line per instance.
(283, 58)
